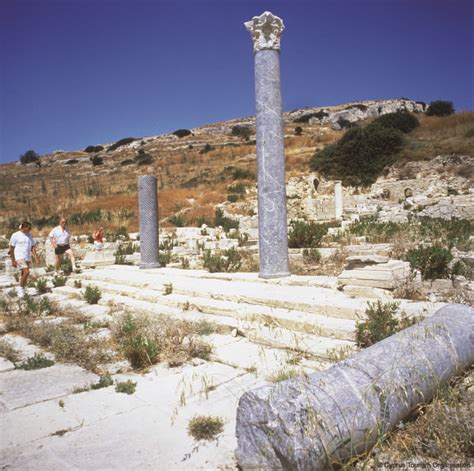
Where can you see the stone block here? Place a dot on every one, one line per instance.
(388, 275)
(98, 259)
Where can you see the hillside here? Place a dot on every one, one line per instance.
(194, 172)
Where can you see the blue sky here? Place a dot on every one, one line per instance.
(83, 72)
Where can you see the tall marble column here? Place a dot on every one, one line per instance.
(148, 211)
(272, 220)
(338, 199)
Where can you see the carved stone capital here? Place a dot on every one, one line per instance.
(265, 30)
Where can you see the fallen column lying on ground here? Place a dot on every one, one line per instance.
(325, 418)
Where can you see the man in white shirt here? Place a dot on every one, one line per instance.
(59, 238)
(22, 245)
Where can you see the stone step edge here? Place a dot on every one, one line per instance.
(293, 280)
(316, 324)
(328, 310)
(274, 337)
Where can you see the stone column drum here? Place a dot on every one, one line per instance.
(338, 199)
(272, 220)
(148, 210)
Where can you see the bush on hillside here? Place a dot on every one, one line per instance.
(182, 133)
(440, 108)
(298, 131)
(30, 156)
(122, 142)
(241, 131)
(225, 222)
(401, 120)
(97, 160)
(304, 118)
(360, 156)
(93, 149)
(142, 158)
(72, 161)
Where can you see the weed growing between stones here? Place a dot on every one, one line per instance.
(104, 382)
(35, 362)
(167, 289)
(126, 387)
(59, 280)
(338, 354)
(8, 352)
(145, 341)
(92, 294)
(283, 375)
(381, 322)
(41, 286)
(77, 284)
(204, 427)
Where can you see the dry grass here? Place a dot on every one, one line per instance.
(441, 431)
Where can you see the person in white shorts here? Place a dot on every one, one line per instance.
(60, 237)
(22, 246)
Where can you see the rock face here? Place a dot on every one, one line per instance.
(338, 117)
(325, 418)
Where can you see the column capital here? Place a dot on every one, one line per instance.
(265, 30)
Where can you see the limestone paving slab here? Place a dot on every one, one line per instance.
(20, 388)
(148, 430)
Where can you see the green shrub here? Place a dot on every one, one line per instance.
(226, 261)
(401, 120)
(72, 161)
(298, 131)
(30, 156)
(306, 235)
(440, 108)
(237, 173)
(177, 220)
(41, 285)
(207, 148)
(97, 160)
(142, 158)
(35, 362)
(232, 198)
(127, 162)
(90, 149)
(241, 131)
(126, 387)
(59, 280)
(121, 233)
(433, 262)
(205, 427)
(360, 156)
(137, 341)
(104, 382)
(381, 322)
(225, 222)
(307, 116)
(182, 133)
(92, 294)
(122, 142)
(238, 188)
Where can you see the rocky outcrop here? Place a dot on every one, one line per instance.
(340, 117)
(324, 419)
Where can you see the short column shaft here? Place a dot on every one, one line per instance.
(148, 211)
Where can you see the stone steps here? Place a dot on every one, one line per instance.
(267, 333)
(310, 298)
(290, 319)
